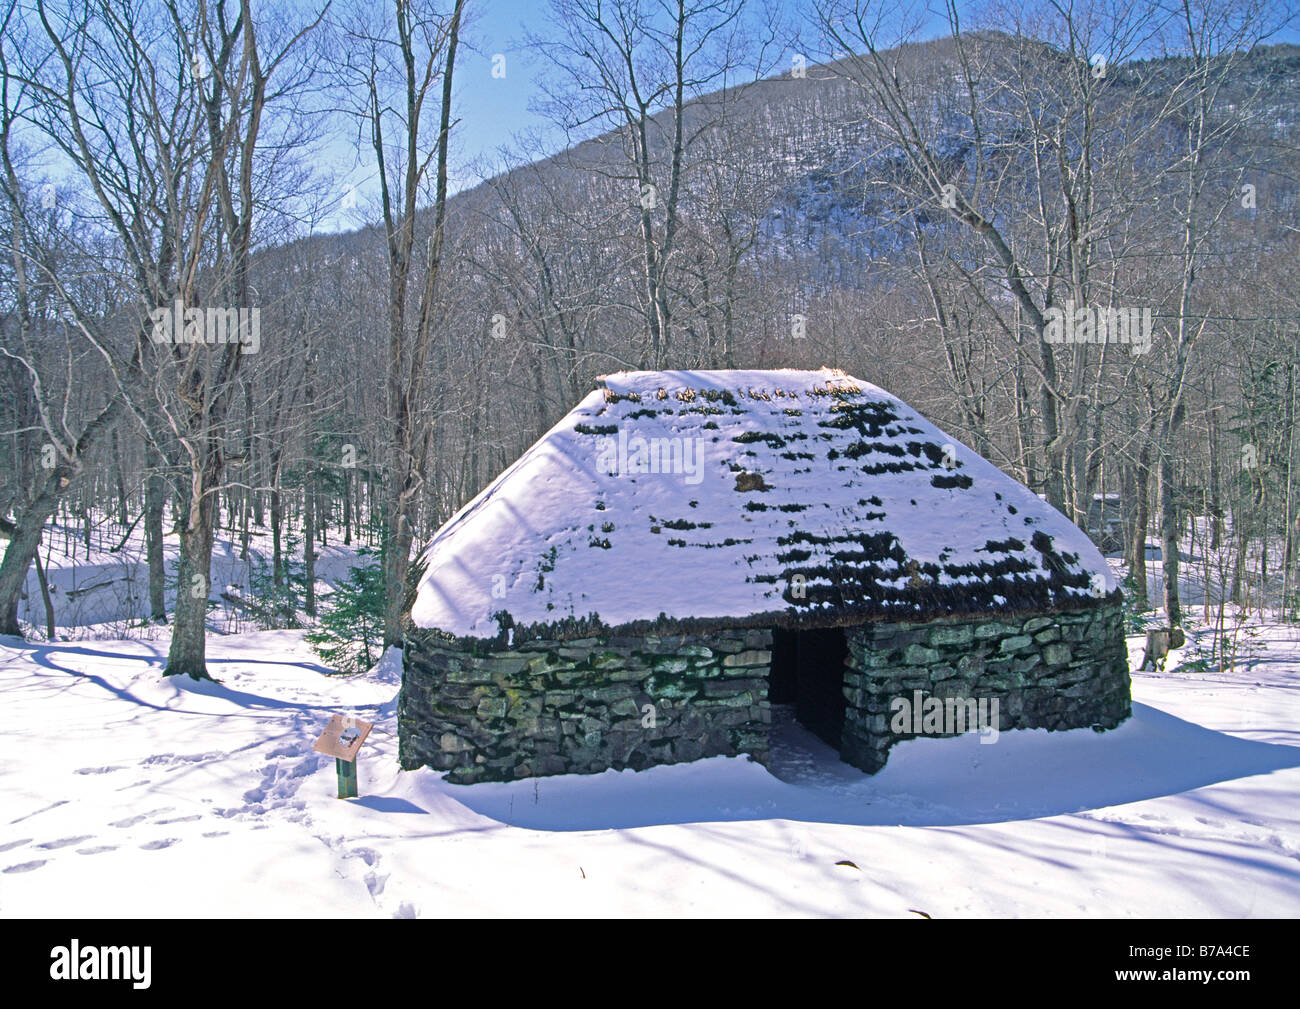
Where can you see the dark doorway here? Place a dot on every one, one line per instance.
(808, 673)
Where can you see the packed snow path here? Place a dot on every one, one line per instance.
(126, 794)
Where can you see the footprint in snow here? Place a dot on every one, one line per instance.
(130, 821)
(174, 761)
(181, 819)
(284, 751)
(95, 770)
(99, 849)
(367, 855)
(375, 883)
(165, 842)
(14, 844)
(26, 866)
(63, 842)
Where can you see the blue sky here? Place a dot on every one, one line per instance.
(493, 110)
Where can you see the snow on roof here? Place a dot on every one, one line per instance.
(805, 497)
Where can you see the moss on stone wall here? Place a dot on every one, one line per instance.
(583, 706)
(634, 700)
(1063, 671)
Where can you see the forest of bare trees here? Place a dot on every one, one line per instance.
(1067, 235)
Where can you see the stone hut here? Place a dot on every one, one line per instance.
(686, 549)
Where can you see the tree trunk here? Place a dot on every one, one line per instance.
(155, 494)
(1169, 558)
(26, 535)
(1141, 521)
(277, 523)
(123, 516)
(309, 540)
(408, 445)
(347, 508)
(45, 593)
(244, 533)
(187, 655)
(24, 540)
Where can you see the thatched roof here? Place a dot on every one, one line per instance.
(690, 499)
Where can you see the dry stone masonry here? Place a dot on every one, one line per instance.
(1061, 671)
(582, 706)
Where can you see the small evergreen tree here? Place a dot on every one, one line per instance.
(1135, 619)
(351, 631)
(272, 606)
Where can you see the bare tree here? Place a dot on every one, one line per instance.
(161, 113)
(645, 72)
(400, 68)
(42, 401)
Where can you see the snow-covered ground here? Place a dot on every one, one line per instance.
(125, 794)
(102, 590)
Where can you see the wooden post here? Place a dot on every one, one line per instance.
(347, 775)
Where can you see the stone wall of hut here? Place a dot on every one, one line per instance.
(583, 706)
(1059, 671)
